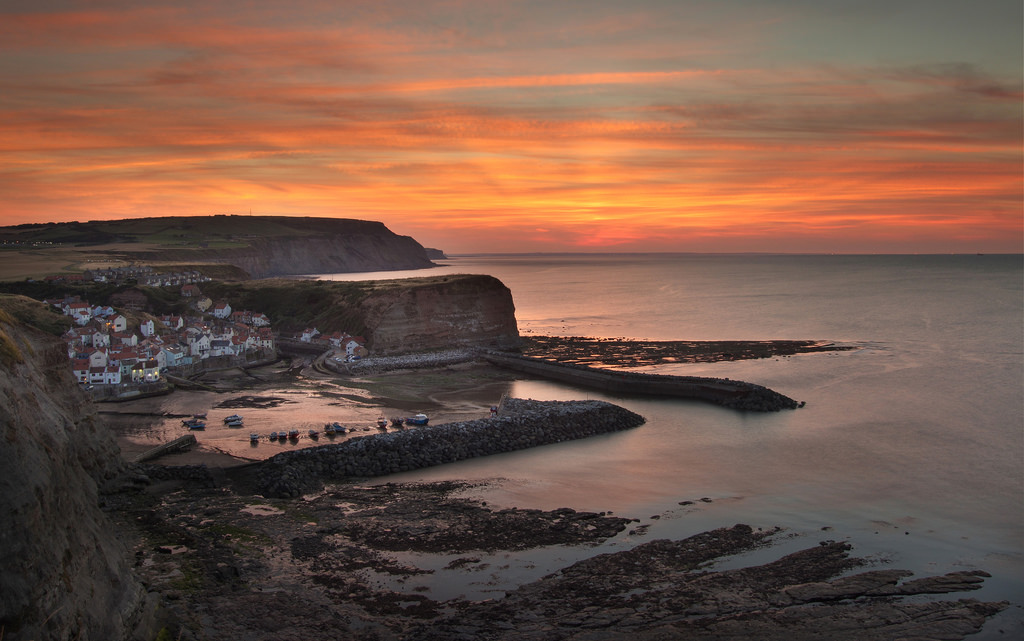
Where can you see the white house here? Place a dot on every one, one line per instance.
(199, 345)
(309, 334)
(80, 368)
(222, 309)
(79, 311)
(147, 327)
(98, 357)
(145, 372)
(175, 355)
(174, 322)
(354, 346)
(259, 319)
(118, 323)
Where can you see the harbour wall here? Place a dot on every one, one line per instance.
(738, 395)
(520, 424)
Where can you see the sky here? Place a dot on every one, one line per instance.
(857, 126)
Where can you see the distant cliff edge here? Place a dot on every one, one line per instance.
(282, 246)
(63, 573)
(262, 246)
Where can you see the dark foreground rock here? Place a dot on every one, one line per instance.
(520, 424)
(230, 566)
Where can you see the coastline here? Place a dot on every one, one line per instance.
(248, 555)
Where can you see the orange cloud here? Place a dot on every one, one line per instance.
(483, 126)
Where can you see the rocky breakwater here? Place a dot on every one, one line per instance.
(737, 395)
(63, 573)
(440, 312)
(521, 424)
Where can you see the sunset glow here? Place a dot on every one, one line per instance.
(529, 126)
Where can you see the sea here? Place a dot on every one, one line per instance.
(910, 445)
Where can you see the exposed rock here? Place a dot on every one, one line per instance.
(62, 574)
(520, 425)
(441, 312)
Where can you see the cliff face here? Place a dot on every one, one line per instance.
(278, 246)
(63, 574)
(443, 312)
(325, 255)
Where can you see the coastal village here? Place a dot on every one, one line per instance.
(111, 356)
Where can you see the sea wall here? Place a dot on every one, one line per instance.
(738, 395)
(519, 425)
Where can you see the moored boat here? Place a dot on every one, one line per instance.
(293, 434)
(273, 436)
(237, 423)
(314, 433)
(419, 419)
(194, 424)
(232, 418)
(382, 422)
(397, 421)
(254, 437)
(329, 428)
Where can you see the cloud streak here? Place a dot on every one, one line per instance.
(652, 128)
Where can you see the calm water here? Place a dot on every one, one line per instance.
(910, 446)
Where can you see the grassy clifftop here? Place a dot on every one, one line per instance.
(253, 246)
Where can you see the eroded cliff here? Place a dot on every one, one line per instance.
(64, 574)
(443, 312)
(266, 246)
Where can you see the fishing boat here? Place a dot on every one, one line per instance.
(313, 433)
(382, 422)
(397, 421)
(329, 428)
(273, 436)
(254, 437)
(419, 419)
(293, 434)
(237, 423)
(233, 418)
(194, 424)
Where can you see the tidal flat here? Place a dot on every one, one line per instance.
(373, 559)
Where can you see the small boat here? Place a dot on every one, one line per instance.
(237, 423)
(329, 428)
(273, 436)
(382, 422)
(254, 437)
(338, 428)
(419, 419)
(397, 421)
(293, 434)
(232, 418)
(314, 434)
(194, 424)
(201, 417)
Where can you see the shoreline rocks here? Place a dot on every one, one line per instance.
(521, 424)
(738, 395)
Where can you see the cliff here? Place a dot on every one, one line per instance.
(442, 312)
(399, 315)
(262, 246)
(280, 246)
(63, 574)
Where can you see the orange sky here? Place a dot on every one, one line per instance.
(671, 125)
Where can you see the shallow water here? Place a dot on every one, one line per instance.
(911, 445)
